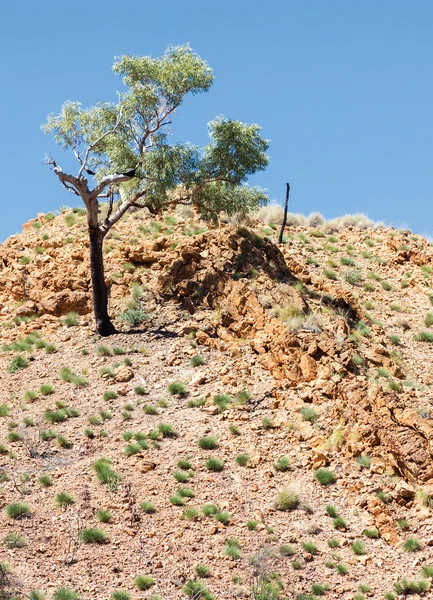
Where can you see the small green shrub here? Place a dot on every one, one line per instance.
(232, 549)
(202, 570)
(18, 362)
(372, 533)
(242, 460)
(412, 545)
(120, 595)
(105, 474)
(309, 414)
(103, 516)
(310, 548)
(424, 336)
(341, 569)
(364, 461)
(208, 443)
(109, 395)
(195, 402)
(287, 550)
(17, 510)
(144, 582)
(45, 481)
(222, 517)
(70, 319)
(214, 464)
(93, 536)
(177, 388)
(405, 587)
(167, 430)
(148, 507)
(222, 401)
(339, 523)
(62, 593)
(282, 464)
(197, 590)
(358, 548)
(197, 361)
(190, 514)
(288, 499)
(325, 476)
(64, 442)
(62, 500)
(135, 316)
(14, 540)
(210, 509)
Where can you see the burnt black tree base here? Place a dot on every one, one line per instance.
(286, 206)
(104, 325)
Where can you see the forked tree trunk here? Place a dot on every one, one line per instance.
(100, 293)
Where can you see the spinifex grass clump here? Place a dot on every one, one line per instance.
(17, 510)
(93, 536)
(105, 474)
(70, 377)
(325, 476)
(288, 499)
(177, 388)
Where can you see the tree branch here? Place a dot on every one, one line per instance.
(95, 143)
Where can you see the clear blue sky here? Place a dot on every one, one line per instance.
(343, 89)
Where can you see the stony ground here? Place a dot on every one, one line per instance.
(323, 392)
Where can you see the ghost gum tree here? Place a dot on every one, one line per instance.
(123, 148)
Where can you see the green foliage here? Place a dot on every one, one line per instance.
(197, 590)
(202, 570)
(222, 401)
(103, 516)
(63, 500)
(120, 595)
(309, 414)
(105, 474)
(93, 536)
(232, 549)
(310, 548)
(325, 476)
(364, 461)
(282, 464)
(214, 464)
(18, 362)
(424, 336)
(70, 319)
(177, 388)
(147, 507)
(144, 582)
(14, 540)
(208, 443)
(405, 587)
(119, 138)
(197, 361)
(17, 510)
(135, 316)
(412, 545)
(70, 377)
(242, 460)
(45, 481)
(167, 430)
(288, 499)
(358, 548)
(62, 593)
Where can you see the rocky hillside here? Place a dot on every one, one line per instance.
(260, 427)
